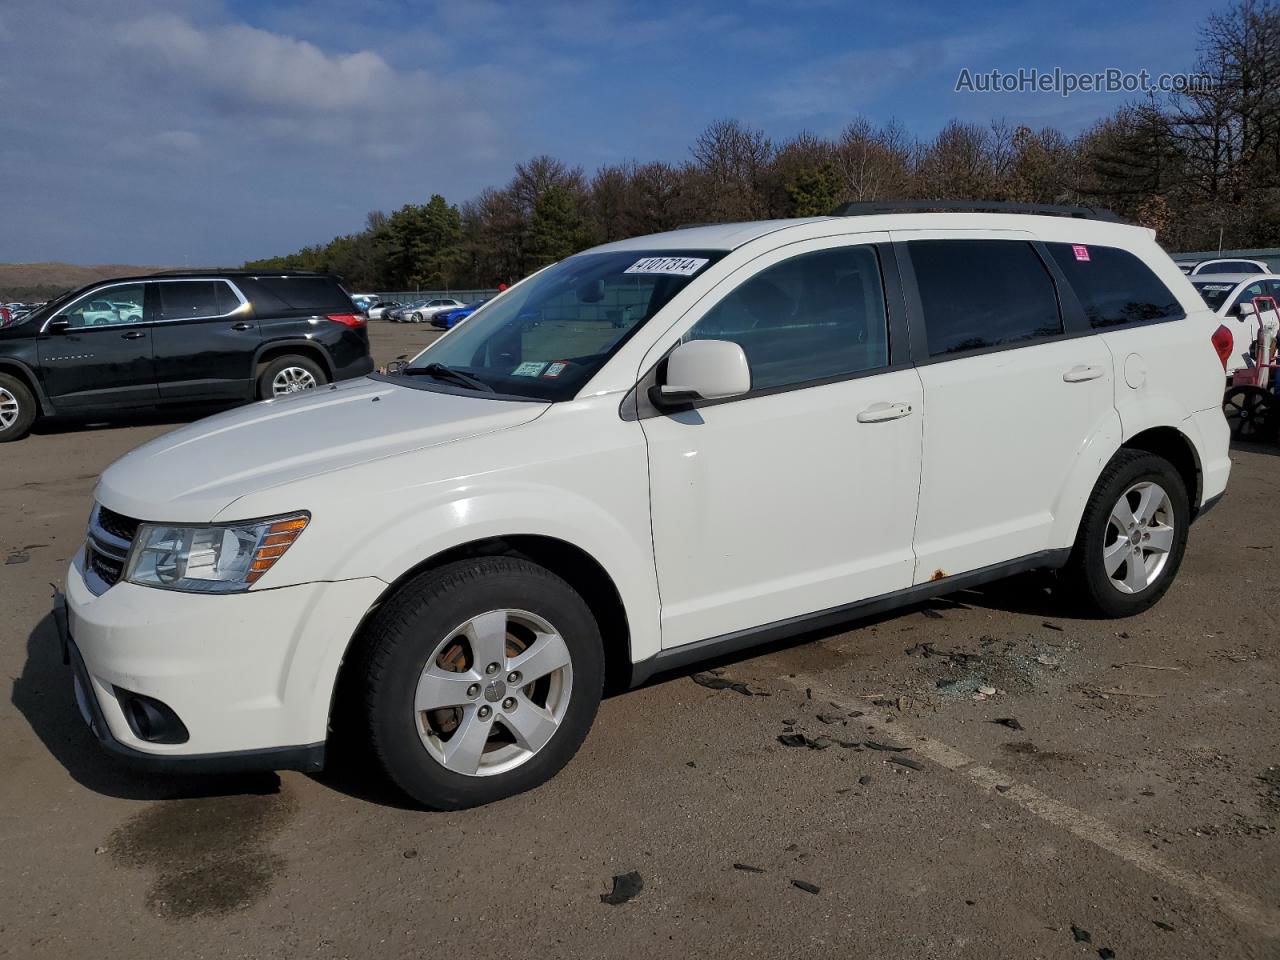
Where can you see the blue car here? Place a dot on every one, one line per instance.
(448, 321)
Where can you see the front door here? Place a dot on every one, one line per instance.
(102, 356)
(205, 339)
(800, 496)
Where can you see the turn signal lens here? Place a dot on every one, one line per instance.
(279, 537)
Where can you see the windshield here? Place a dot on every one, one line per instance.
(1215, 294)
(547, 337)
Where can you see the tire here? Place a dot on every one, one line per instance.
(1252, 413)
(417, 642)
(1158, 502)
(294, 369)
(17, 409)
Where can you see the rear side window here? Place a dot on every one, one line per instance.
(187, 299)
(318, 294)
(813, 317)
(1114, 286)
(979, 294)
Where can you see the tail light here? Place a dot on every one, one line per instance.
(1223, 343)
(349, 319)
(4, 317)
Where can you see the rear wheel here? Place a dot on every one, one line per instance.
(17, 408)
(292, 374)
(482, 679)
(1251, 413)
(1132, 535)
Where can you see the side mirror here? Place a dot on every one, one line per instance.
(703, 370)
(1246, 308)
(60, 324)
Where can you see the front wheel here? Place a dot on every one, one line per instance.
(1132, 535)
(1252, 413)
(17, 409)
(482, 679)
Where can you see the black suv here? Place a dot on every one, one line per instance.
(179, 339)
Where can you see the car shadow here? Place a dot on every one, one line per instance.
(42, 693)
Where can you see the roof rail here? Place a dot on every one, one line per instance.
(986, 206)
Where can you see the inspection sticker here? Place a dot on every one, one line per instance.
(530, 368)
(674, 266)
(1082, 252)
(556, 368)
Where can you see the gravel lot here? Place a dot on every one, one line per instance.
(1135, 811)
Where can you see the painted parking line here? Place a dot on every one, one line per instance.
(1240, 906)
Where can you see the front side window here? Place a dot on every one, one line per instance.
(1247, 295)
(1114, 286)
(545, 338)
(981, 294)
(110, 306)
(816, 316)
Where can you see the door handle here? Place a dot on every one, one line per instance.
(880, 412)
(132, 335)
(242, 326)
(1080, 373)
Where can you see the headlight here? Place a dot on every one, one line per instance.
(222, 558)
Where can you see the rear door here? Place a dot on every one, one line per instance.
(103, 357)
(1013, 391)
(205, 340)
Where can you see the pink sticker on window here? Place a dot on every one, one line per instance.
(1082, 252)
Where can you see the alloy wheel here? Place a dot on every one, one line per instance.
(9, 409)
(493, 693)
(1140, 534)
(292, 380)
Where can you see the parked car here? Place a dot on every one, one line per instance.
(380, 309)
(797, 423)
(364, 301)
(448, 319)
(178, 339)
(430, 309)
(1225, 265)
(1231, 298)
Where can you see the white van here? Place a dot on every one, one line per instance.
(652, 452)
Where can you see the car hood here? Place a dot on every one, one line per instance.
(196, 471)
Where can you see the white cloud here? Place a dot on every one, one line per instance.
(253, 67)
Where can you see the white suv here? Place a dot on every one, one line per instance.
(655, 451)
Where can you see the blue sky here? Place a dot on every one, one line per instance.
(210, 131)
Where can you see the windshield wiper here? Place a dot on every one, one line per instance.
(441, 372)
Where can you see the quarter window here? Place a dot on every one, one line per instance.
(111, 306)
(1114, 286)
(816, 316)
(979, 294)
(189, 299)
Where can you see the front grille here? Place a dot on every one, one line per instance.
(107, 548)
(125, 528)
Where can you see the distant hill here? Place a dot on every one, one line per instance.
(40, 281)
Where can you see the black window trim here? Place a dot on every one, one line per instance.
(636, 405)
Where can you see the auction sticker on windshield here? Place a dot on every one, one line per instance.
(530, 368)
(673, 266)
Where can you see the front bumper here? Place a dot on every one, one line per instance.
(250, 675)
